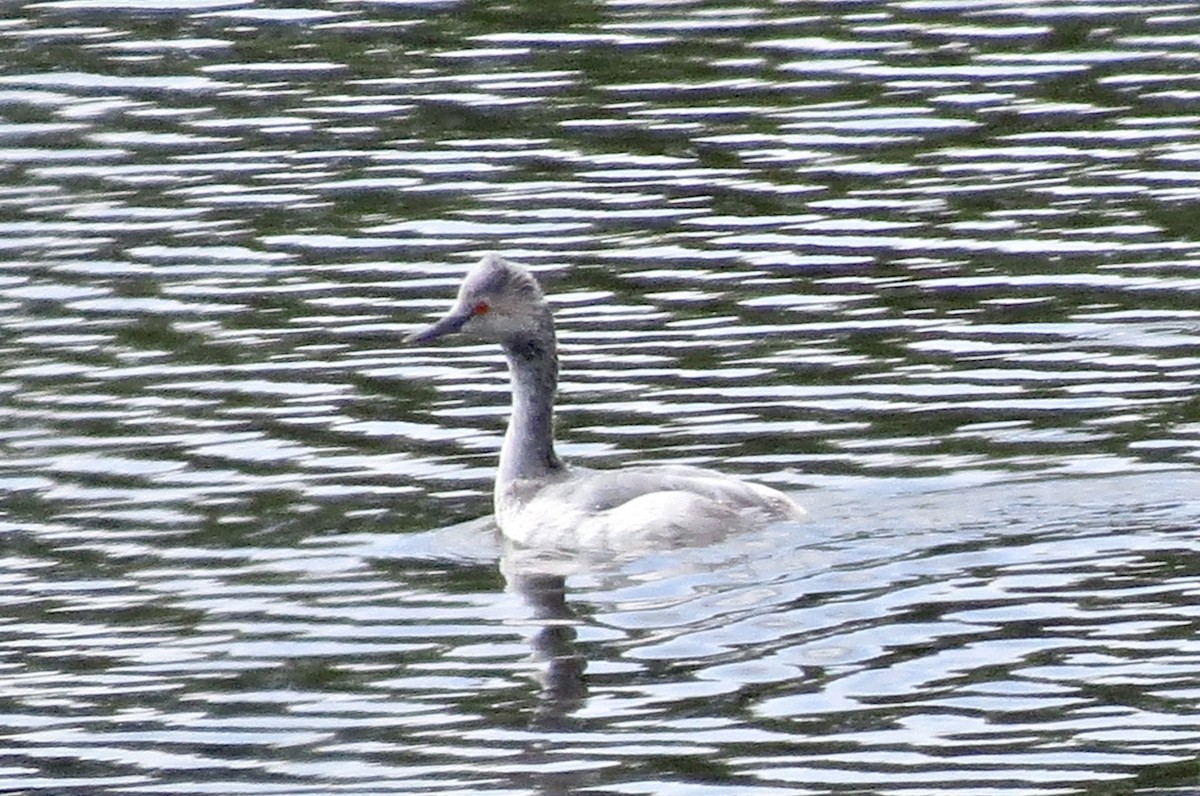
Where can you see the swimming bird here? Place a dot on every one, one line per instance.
(539, 500)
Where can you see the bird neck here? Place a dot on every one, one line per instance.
(528, 450)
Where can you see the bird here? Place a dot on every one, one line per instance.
(541, 501)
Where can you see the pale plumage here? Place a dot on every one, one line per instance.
(538, 499)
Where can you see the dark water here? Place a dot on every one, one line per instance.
(931, 267)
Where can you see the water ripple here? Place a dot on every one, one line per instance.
(928, 264)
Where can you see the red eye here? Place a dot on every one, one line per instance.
(481, 308)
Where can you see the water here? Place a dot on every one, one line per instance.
(930, 267)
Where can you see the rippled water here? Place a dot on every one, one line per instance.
(931, 267)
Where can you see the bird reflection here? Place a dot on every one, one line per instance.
(560, 672)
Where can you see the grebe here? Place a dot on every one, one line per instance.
(541, 501)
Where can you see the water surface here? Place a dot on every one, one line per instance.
(930, 267)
